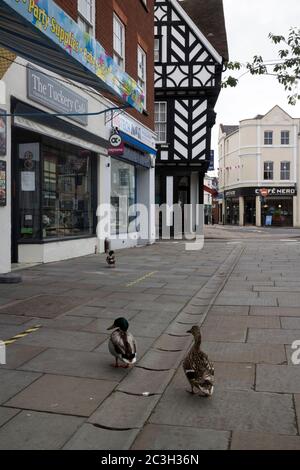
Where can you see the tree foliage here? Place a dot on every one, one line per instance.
(286, 68)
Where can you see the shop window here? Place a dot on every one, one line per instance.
(123, 197)
(142, 70)
(119, 41)
(285, 170)
(160, 117)
(285, 138)
(268, 138)
(268, 171)
(55, 191)
(86, 16)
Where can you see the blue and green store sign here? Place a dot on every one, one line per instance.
(43, 33)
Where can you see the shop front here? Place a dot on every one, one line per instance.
(261, 206)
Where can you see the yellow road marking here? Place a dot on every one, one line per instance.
(141, 279)
(22, 335)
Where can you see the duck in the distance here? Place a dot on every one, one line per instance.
(122, 344)
(111, 259)
(198, 369)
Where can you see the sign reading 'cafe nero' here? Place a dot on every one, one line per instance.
(265, 192)
(52, 94)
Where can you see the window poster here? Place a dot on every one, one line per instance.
(3, 132)
(2, 183)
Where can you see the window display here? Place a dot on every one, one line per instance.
(123, 197)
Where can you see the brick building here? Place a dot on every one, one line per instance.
(71, 64)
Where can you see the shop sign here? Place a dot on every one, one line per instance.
(132, 128)
(116, 145)
(50, 22)
(49, 92)
(212, 161)
(262, 192)
(2, 183)
(3, 132)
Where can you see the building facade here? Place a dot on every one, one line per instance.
(259, 171)
(55, 165)
(190, 48)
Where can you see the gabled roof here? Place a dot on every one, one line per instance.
(208, 16)
(228, 129)
(178, 5)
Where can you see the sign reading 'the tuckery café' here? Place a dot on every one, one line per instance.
(51, 93)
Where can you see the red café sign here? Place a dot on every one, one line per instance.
(264, 192)
(116, 145)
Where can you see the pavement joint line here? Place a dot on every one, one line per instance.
(15, 338)
(141, 279)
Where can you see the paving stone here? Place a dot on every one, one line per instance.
(42, 306)
(242, 321)
(101, 312)
(166, 299)
(245, 352)
(290, 323)
(187, 319)
(200, 309)
(53, 338)
(90, 437)
(76, 364)
(133, 411)
(282, 379)
(237, 300)
(232, 310)
(261, 441)
(11, 319)
(179, 329)
(147, 329)
(232, 332)
(297, 407)
(38, 431)
(17, 355)
(159, 437)
(64, 322)
(227, 409)
(148, 316)
(13, 381)
(63, 395)
(234, 376)
(128, 296)
(172, 343)
(279, 311)
(161, 360)
(173, 307)
(272, 336)
(140, 381)
(6, 414)
(288, 299)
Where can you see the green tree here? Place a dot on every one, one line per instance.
(286, 68)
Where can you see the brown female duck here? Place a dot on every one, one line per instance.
(197, 368)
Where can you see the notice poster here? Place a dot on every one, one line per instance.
(2, 183)
(27, 181)
(3, 132)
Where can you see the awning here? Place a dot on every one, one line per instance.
(209, 190)
(137, 144)
(44, 34)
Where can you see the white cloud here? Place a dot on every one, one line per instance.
(248, 24)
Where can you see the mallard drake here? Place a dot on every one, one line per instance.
(111, 259)
(197, 368)
(122, 344)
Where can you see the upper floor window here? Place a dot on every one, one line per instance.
(285, 137)
(268, 138)
(142, 69)
(157, 50)
(160, 117)
(119, 41)
(285, 170)
(85, 15)
(268, 171)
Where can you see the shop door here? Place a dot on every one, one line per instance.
(250, 211)
(182, 197)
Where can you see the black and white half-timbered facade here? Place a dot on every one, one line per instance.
(188, 71)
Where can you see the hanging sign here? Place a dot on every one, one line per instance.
(3, 133)
(2, 183)
(116, 145)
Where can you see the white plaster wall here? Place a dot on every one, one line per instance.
(5, 212)
(57, 251)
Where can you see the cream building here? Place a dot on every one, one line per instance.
(259, 171)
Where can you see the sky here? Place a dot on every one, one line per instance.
(248, 23)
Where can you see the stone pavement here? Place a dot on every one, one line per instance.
(59, 391)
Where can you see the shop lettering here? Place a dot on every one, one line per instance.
(68, 39)
(39, 13)
(278, 191)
